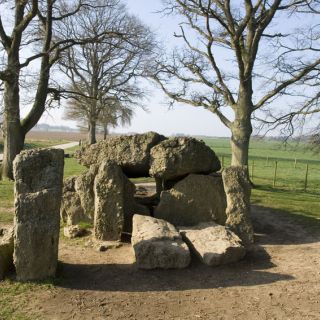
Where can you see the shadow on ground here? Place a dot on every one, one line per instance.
(127, 277)
(279, 227)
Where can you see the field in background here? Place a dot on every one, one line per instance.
(287, 195)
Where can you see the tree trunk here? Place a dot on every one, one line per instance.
(105, 132)
(12, 131)
(241, 129)
(92, 132)
(239, 149)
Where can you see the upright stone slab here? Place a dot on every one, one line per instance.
(84, 185)
(197, 198)
(109, 202)
(6, 251)
(114, 202)
(38, 178)
(238, 191)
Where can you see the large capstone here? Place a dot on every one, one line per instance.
(175, 158)
(6, 251)
(38, 188)
(238, 190)
(157, 244)
(131, 152)
(114, 202)
(213, 244)
(195, 199)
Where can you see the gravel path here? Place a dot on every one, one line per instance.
(60, 146)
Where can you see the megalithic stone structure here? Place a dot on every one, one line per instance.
(238, 190)
(38, 175)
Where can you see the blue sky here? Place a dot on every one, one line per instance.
(182, 118)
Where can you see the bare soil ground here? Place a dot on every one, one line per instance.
(279, 279)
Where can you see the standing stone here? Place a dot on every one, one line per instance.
(195, 199)
(6, 251)
(213, 244)
(157, 244)
(109, 202)
(238, 191)
(114, 203)
(84, 187)
(38, 178)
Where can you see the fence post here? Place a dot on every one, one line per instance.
(222, 161)
(267, 162)
(275, 173)
(295, 163)
(306, 178)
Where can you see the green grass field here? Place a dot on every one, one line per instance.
(288, 194)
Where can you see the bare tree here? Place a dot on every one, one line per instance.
(113, 115)
(106, 71)
(222, 64)
(31, 39)
(303, 114)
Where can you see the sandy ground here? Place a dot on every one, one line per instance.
(279, 279)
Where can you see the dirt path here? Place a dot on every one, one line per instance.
(279, 279)
(60, 146)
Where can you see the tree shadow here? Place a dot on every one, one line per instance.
(284, 228)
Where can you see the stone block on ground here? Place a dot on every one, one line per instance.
(195, 199)
(6, 251)
(38, 177)
(213, 244)
(157, 244)
(131, 152)
(238, 190)
(177, 157)
(74, 231)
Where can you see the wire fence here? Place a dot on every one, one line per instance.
(287, 173)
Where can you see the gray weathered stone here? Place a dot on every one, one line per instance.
(114, 202)
(176, 157)
(74, 231)
(157, 244)
(6, 251)
(71, 210)
(195, 199)
(213, 244)
(238, 191)
(131, 152)
(84, 186)
(38, 188)
(109, 202)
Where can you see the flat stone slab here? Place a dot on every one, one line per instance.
(213, 244)
(157, 244)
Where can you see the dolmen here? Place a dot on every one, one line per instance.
(197, 208)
